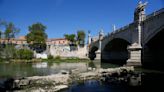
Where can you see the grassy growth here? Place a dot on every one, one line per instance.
(50, 57)
(59, 59)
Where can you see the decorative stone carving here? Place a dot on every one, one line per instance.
(139, 14)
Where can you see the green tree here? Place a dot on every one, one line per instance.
(8, 51)
(81, 37)
(37, 37)
(2, 25)
(11, 31)
(71, 38)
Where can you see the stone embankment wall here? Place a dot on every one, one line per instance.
(64, 51)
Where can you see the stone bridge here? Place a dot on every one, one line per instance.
(138, 43)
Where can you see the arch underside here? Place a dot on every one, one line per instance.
(153, 51)
(115, 51)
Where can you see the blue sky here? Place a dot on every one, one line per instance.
(68, 16)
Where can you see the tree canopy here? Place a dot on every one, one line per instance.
(70, 37)
(37, 37)
(81, 37)
(11, 31)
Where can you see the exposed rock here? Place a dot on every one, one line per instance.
(60, 81)
(88, 75)
(75, 71)
(44, 89)
(60, 87)
(89, 68)
(64, 72)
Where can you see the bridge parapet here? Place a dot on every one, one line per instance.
(122, 29)
(155, 13)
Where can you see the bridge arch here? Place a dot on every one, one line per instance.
(115, 51)
(152, 34)
(153, 51)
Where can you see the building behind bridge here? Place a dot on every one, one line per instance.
(55, 47)
(22, 41)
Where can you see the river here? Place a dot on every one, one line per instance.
(151, 79)
(15, 70)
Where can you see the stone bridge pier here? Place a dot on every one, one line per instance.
(96, 51)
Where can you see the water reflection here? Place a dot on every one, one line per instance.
(38, 69)
(40, 65)
(44, 68)
(151, 82)
(69, 66)
(96, 86)
(99, 64)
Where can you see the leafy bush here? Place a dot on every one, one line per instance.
(8, 52)
(50, 57)
(1, 60)
(58, 57)
(24, 54)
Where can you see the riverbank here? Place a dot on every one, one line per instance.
(67, 60)
(64, 79)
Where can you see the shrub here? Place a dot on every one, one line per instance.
(24, 54)
(1, 60)
(58, 57)
(50, 57)
(8, 52)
